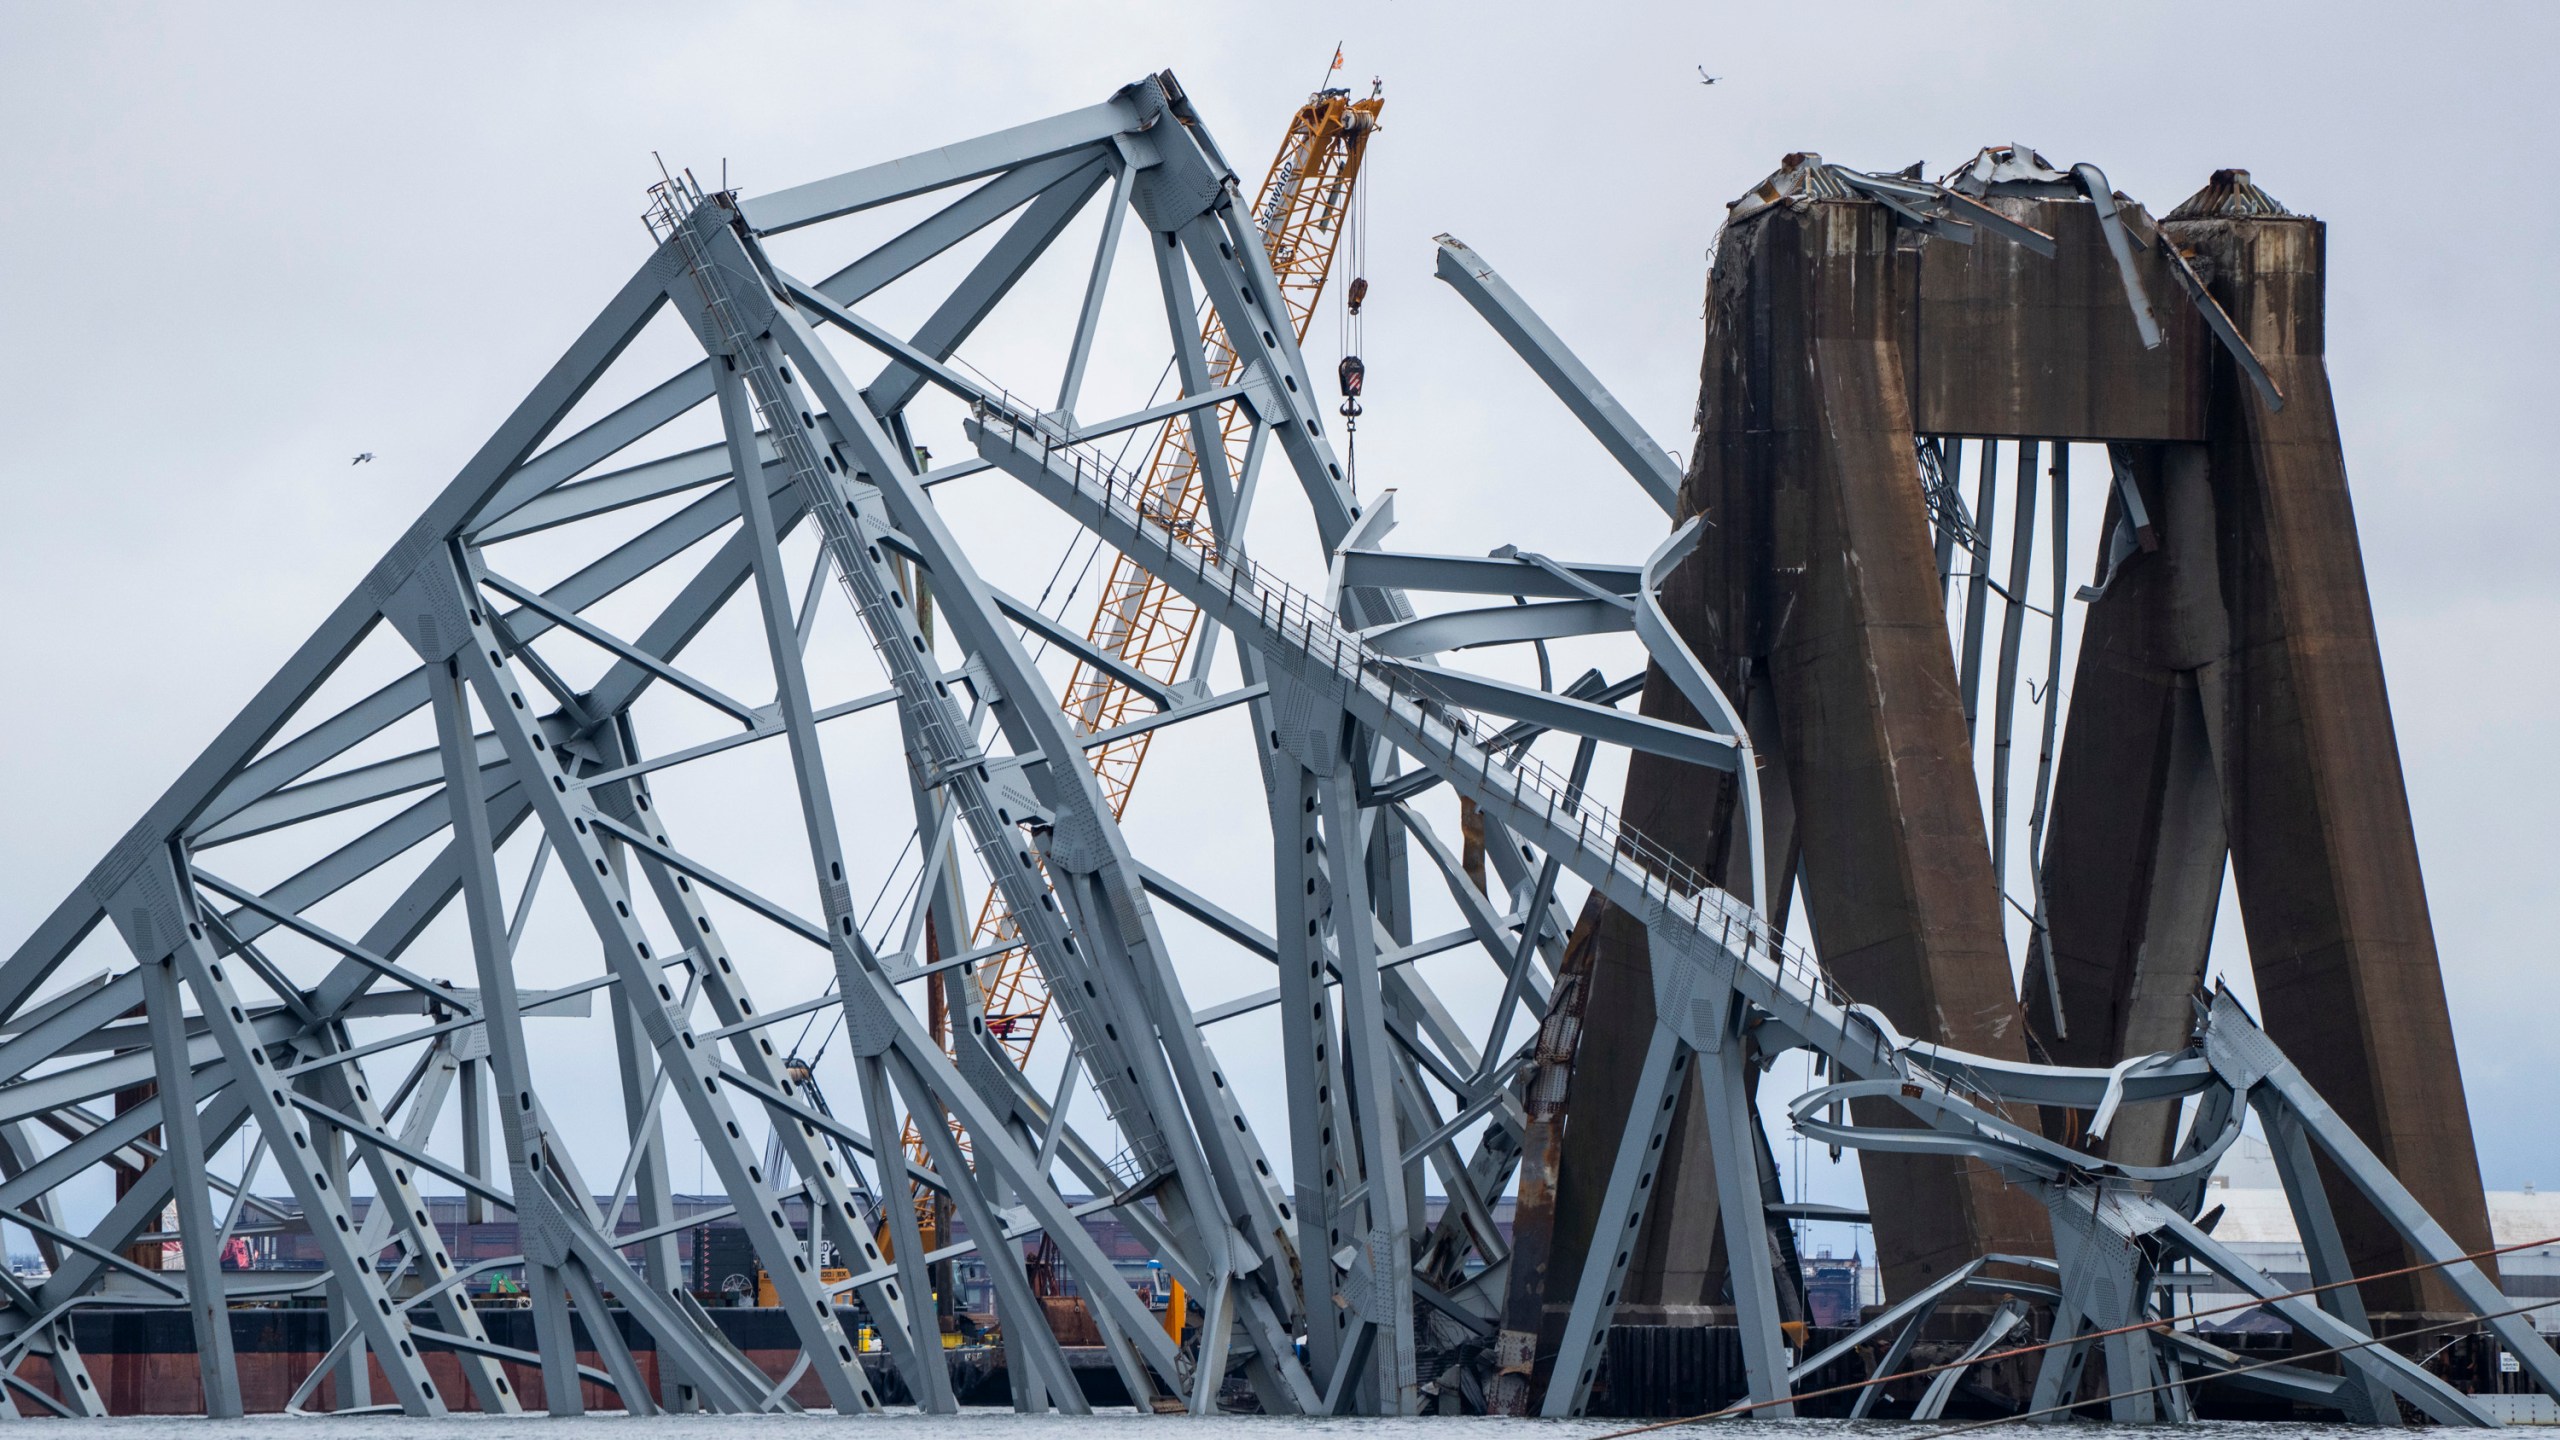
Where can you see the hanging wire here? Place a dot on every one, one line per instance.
(1731, 1411)
(1093, 553)
(2289, 1358)
(1350, 323)
(1092, 550)
(1803, 1157)
(874, 908)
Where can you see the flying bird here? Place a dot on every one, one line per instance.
(1706, 79)
(361, 458)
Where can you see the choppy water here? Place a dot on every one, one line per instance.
(1004, 1425)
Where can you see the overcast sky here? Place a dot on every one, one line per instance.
(253, 241)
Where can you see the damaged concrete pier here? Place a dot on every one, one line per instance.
(2228, 697)
(300, 1084)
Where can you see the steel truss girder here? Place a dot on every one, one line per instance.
(2111, 1235)
(1295, 636)
(567, 818)
(1355, 731)
(951, 753)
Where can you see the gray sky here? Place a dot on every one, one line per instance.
(253, 241)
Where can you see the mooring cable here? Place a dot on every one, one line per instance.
(2253, 1303)
(2285, 1359)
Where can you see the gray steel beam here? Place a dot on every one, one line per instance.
(399, 1207)
(1977, 594)
(1031, 729)
(1480, 575)
(1000, 196)
(567, 818)
(1499, 625)
(632, 422)
(611, 491)
(560, 389)
(1621, 1218)
(1579, 717)
(474, 849)
(2013, 620)
(1311, 1054)
(839, 195)
(986, 284)
(1068, 639)
(2365, 1399)
(624, 650)
(323, 1201)
(2383, 1190)
(1554, 363)
(1089, 316)
(64, 1030)
(217, 1367)
(2440, 1401)
(907, 1323)
(1207, 432)
(1380, 1228)
(332, 794)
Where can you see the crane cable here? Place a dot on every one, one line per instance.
(2285, 1359)
(2250, 1304)
(1351, 372)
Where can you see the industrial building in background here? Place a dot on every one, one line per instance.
(510, 731)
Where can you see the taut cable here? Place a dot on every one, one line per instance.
(2251, 1304)
(2236, 1370)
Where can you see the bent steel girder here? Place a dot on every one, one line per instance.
(236, 794)
(385, 831)
(625, 593)
(1711, 948)
(2116, 1220)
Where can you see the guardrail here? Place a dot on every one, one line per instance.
(1448, 735)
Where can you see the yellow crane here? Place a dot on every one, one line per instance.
(1302, 210)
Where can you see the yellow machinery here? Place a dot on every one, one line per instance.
(765, 1297)
(1302, 211)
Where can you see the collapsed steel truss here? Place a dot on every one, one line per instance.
(1322, 1279)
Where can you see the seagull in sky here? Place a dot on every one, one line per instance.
(1706, 79)
(361, 458)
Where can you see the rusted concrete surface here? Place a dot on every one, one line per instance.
(2323, 851)
(1815, 598)
(2134, 860)
(2229, 702)
(2005, 342)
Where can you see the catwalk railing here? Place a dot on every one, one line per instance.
(1301, 632)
